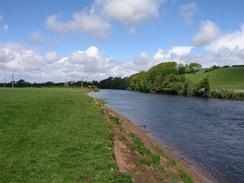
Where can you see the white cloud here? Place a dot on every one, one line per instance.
(181, 50)
(89, 64)
(92, 64)
(98, 19)
(221, 57)
(80, 22)
(51, 56)
(93, 52)
(128, 11)
(177, 51)
(209, 32)
(222, 48)
(142, 59)
(232, 41)
(14, 57)
(31, 65)
(187, 11)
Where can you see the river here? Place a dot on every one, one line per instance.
(208, 133)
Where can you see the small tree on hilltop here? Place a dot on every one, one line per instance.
(181, 69)
(194, 67)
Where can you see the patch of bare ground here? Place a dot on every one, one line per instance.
(143, 158)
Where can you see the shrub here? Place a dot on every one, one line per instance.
(226, 66)
(193, 67)
(186, 178)
(212, 68)
(237, 65)
(174, 84)
(203, 88)
(227, 94)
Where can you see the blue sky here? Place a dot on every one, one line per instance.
(113, 32)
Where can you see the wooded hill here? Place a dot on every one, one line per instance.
(192, 79)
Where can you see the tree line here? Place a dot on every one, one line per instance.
(163, 78)
(167, 78)
(109, 83)
(23, 83)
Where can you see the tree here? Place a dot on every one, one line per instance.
(194, 67)
(112, 83)
(22, 83)
(174, 84)
(181, 69)
(203, 88)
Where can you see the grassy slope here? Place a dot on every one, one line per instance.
(54, 135)
(228, 78)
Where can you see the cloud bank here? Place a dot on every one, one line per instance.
(97, 20)
(208, 32)
(91, 64)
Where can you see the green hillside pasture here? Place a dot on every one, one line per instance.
(224, 78)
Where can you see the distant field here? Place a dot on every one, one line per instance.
(228, 78)
(54, 135)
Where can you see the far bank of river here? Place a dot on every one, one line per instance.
(208, 133)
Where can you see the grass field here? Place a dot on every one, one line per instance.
(54, 135)
(226, 78)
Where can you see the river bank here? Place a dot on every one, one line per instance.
(172, 165)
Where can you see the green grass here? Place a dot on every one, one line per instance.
(186, 178)
(54, 135)
(226, 78)
(148, 157)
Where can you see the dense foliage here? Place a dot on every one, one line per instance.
(190, 79)
(202, 89)
(155, 79)
(113, 83)
(109, 83)
(162, 78)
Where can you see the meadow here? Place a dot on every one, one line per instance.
(224, 78)
(54, 135)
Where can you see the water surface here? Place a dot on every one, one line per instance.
(206, 132)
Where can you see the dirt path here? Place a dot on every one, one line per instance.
(144, 158)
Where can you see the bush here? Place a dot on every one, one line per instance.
(212, 68)
(193, 67)
(203, 88)
(227, 94)
(174, 84)
(181, 69)
(237, 65)
(153, 79)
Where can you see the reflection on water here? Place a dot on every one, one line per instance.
(209, 132)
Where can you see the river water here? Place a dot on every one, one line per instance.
(208, 133)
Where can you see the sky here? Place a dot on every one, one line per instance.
(57, 40)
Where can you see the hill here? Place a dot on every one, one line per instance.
(153, 79)
(191, 79)
(222, 78)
